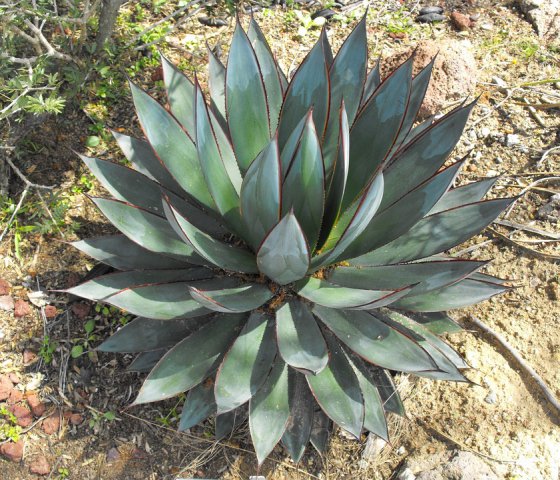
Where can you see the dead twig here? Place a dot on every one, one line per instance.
(527, 228)
(529, 251)
(529, 187)
(521, 362)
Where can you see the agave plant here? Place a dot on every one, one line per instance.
(282, 242)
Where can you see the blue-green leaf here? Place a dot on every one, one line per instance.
(180, 94)
(300, 341)
(246, 101)
(199, 405)
(463, 195)
(217, 87)
(269, 410)
(284, 253)
(247, 364)
(230, 300)
(172, 145)
(190, 361)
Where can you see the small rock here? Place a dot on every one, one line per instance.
(81, 310)
(37, 406)
(12, 450)
(14, 378)
(401, 450)
(427, 10)
(5, 287)
(212, 22)
(460, 21)
(76, 419)
(430, 18)
(491, 398)
(406, 474)
(112, 455)
(512, 140)
(29, 356)
(22, 414)
(40, 466)
(51, 423)
(374, 446)
(6, 303)
(543, 15)
(22, 308)
(492, 173)
(325, 13)
(551, 210)
(50, 311)
(6, 387)
(16, 396)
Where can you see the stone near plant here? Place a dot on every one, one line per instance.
(22, 414)
(21, 308)
(29, 356)
(544, 16)
(6, 386)
(38, 408)
(6, 303)
(51, 424)
(5, 287)
(12, 450)
(460, 21)
(40, 465)
(430, 18)
(282, 243)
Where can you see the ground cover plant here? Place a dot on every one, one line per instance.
(283, 242)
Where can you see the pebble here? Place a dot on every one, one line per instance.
(512, 140)
(427, 10)
(23, 415)
(40, 466)
(21, 308)
(491, 398)
(325, 13)
(401, 450)
(5, 287)
(374, 446)
(51, 424)
(12, 450)
(460, 22)
(406, 474)
(484, 132)
(430, 18)
(6, 302)
(37, 406)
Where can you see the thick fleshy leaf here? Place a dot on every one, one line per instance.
(320, 431)
(411, 323)
(143, 334)
(230, 300)
(437, 322)
(228, 422)
(424, 156)
(374, 415)
(303, 190)
(373, 81)
(291, 145)
(247, 364)
(143, 159)
(393, 221)
(223, 255)
(417, 92)
(374, 341)
(300, 422)
(126, 184)
(337, 391)
(100, 288)
(246, 102)
(335, 296)
(261, 194)
(199, 405)
(337, 179)
(470, 193)
(425, 276)
(300, 341)
(462, 294)
(309, 88)
(272, 76)
(368, 150)
(123, 254)
(172, 145)
(147, 229)
(180, 94)
(217, 86)
(388, 391)
(167, 301)
(445, 230)
(355, 221)
(269, 410)
(218, 162)
(190, 361)
(447, 370)
(347, 76)
(284, 253)
(145, 361)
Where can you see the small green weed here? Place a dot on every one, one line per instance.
(84, 344)
(9, 429)
(47, 349)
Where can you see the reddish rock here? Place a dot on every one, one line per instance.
(51, 423)
(81, 310)
(12, 450)
(22, 308)
(15, 396)
(22, 414)
(460, 21)
(6, 387)
(40, 466)
(37, 407)
(6, 302)
(50, 311)
(76, 419)
(454, 74)
(14, 378)
(29, 356)
(5, 287)
(112, 455)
